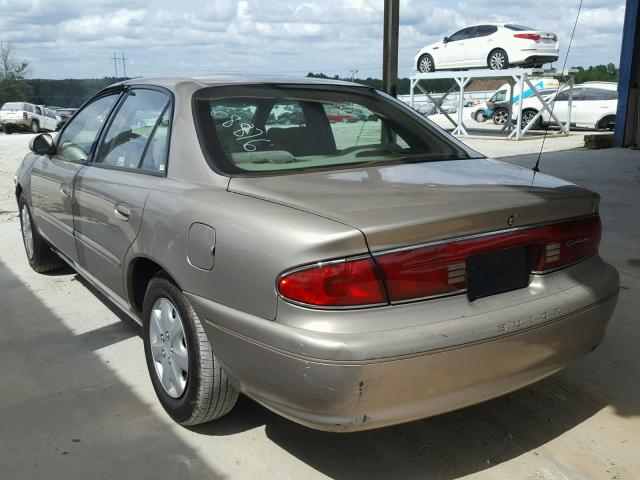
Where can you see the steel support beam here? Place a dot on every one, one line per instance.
(390, 46)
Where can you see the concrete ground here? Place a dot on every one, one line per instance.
(76, 401)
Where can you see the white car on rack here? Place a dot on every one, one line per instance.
(494, 46)
(594, 105)
(23, 116)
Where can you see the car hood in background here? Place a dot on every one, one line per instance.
(407, 204)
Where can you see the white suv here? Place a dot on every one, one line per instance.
(496, 46)
(24, 116)
(594, 105)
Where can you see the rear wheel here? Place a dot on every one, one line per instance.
(425, 63)
(498, 60)
(500, 116)
(607, 123)
(35, 126)
(41, 258)
(186, 376)
(8, 130)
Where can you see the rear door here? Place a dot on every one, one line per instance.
(52, 177)
(561, 105)
(111, 191)
(479, 47)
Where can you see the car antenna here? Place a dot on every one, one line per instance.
(536, 167)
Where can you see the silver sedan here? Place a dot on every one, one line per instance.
(347, 275)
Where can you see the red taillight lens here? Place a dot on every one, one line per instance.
(528, 36)
(441, 269)
(566, 243)
(555, 38)
(345, 283)
(24, 115)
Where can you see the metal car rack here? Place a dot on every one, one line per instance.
(516, 77)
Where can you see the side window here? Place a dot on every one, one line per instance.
(50, 114)
(499, 96)
(564, 95)
(285, 114)
(486, 30)
(463, 34)
(139, 118)
(38, 111)
(600, 94)
(79, 137)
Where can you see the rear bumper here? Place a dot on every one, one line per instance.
(16, 123)
(537, 59)
(328, 382)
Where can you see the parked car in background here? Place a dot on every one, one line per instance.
(65, 115)
(334, 114)
(494, 46)
(346, 278)
(497, 107)
(22, 116)
(594, 105)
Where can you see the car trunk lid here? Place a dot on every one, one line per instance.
(410, 204)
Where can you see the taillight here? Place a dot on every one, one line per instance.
(436, 269)
(334, 284)
(528, 36)
(555, 38)
(440, 269)
(24, 115)
(566, 243)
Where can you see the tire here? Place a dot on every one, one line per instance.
(426, 64)
(500, 116)
(480, 116)
(35, 126)
(527, 116)
(345, 119)
(498, 60)
(207, 393)
(607, 123)
(8, 130)
(40, 256)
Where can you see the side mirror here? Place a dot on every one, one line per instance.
(42, 144)
(445, 39)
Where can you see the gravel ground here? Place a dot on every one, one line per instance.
(76, 403)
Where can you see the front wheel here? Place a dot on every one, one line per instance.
(186, 375)
(498, 60)
(41, 258)
(425, 64)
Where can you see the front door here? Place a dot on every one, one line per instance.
(453, 52)
(53, 177)
(111, 191)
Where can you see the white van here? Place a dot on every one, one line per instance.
(500, 99)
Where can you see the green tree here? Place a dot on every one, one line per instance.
(12, 72)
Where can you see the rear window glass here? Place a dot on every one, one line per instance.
(253, 129)
(13, 106)
(520, 28)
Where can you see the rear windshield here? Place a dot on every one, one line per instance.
(520, 28)
(13, 106)
(254, 129)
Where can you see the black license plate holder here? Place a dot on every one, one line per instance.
(497, 272)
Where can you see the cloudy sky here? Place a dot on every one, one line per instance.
(76, 38)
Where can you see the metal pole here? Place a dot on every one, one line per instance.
(115, 65)
(124, 68)
(390, 46)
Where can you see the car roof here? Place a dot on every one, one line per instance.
(603, 85)
(218, 80)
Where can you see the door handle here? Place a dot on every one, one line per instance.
(64, 190)
(122, 211)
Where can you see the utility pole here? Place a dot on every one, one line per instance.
(124, 68)
(115, 65)
(390, 46)
(353, 73)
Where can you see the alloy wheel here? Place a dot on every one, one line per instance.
(425, 64)
(500, 117)
(27, 233)
(169, 347)
(497, 61)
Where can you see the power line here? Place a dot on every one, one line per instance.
(115, 65)
(124, 67)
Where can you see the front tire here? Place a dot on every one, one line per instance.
(41, 258)
(186, 376)
(498, 60)
(480, 116)
(425, 64)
